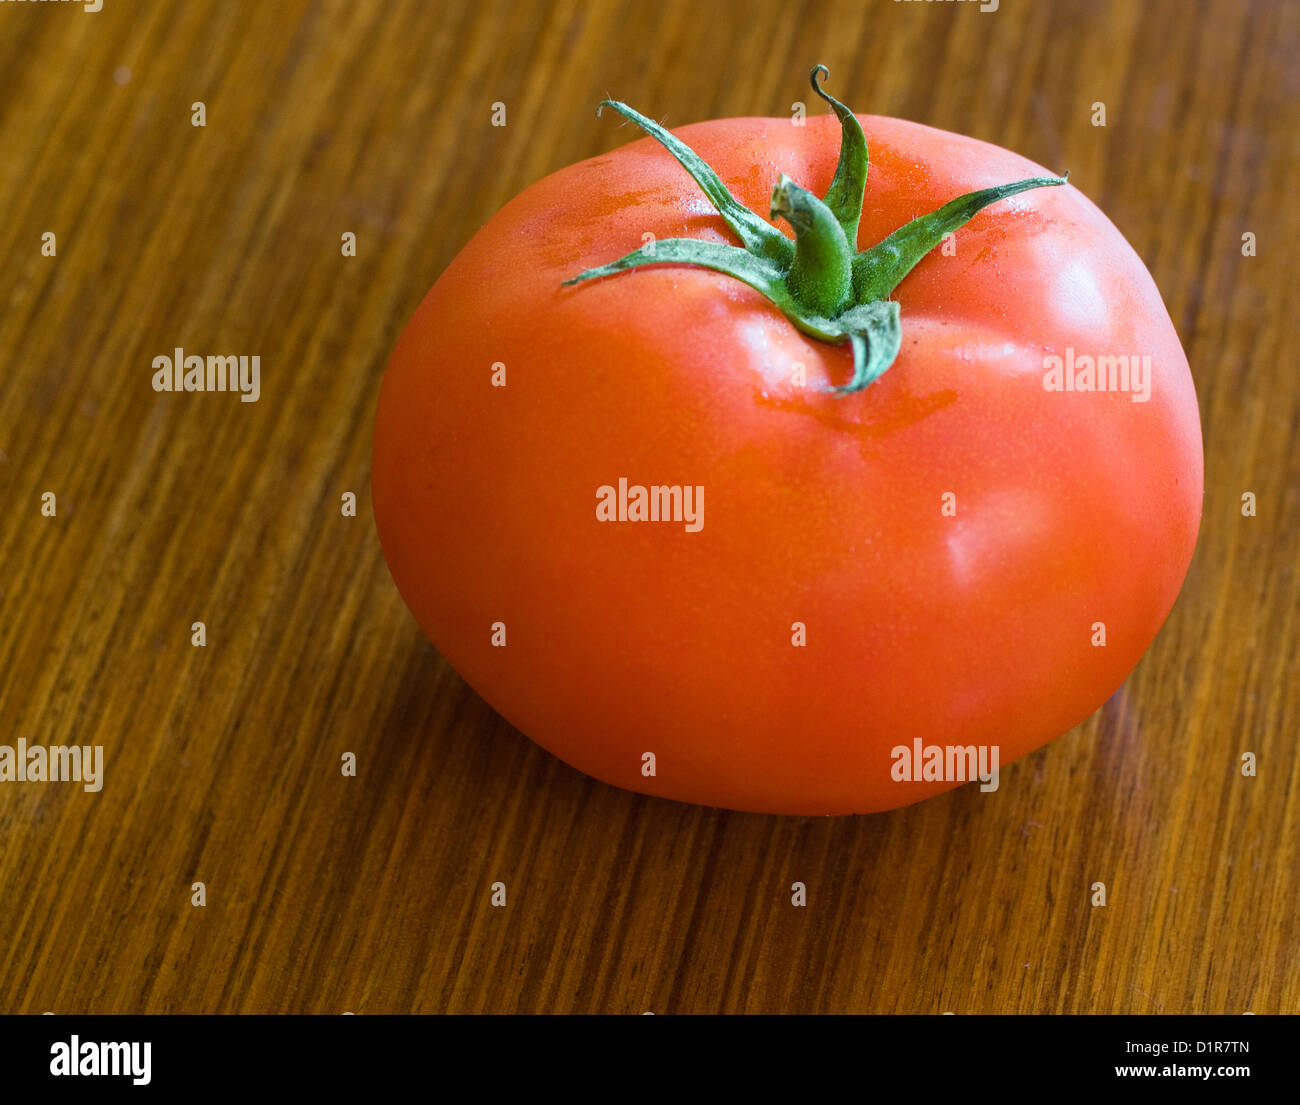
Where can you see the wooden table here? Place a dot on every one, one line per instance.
(371, 893)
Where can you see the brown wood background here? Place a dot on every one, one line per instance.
(371, 894)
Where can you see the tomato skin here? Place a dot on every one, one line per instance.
(627, 638)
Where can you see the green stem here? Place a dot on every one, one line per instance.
(821, 276)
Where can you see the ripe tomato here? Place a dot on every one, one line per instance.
(954, 555)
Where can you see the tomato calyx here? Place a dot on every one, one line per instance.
(821, 282)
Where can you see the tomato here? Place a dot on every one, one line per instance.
(962, 555)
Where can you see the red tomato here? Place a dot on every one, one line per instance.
(954, 539)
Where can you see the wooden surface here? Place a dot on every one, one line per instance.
(372, 894)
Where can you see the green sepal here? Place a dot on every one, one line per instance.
(876, 333)
(759, 273)
(844, 196)
(755, 235)
(822, 284)
(880, 269)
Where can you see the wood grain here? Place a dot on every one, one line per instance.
(327, 893)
